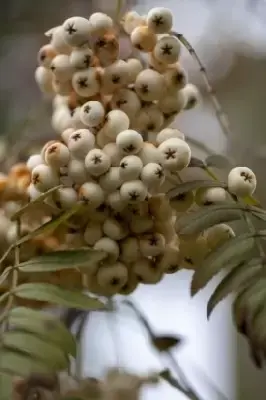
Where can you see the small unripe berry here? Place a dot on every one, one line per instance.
(97, 162)
(150, 85)
(130, 168)
(151, 244)
(80, 143)
(147, 271)
(210, 196)
(76, 31)
(218, 234)
(242, 181)
(57, 155)
(143, 39)
(109, 246)
(167, 49)
(159, 20)
(91, 194)
(92, 113)
(43, 177)
(133, 191)
(112, 277)
(182, 202)
(116, 121)
(114, 229)
(129, 141)
(175, 153)
(169, 133)
(93, 233)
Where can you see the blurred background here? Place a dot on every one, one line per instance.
(230, 38)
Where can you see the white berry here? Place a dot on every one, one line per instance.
(149, 153)
(57, 155)
(93, 232)
(100, 23)
(45, 55)
(191, 95)
(242, 181)
(134, 68)
(33, 161)
(169, 133)
(169, 261)
(147, 271)
(86, 82)
(114, 229)
(172, 104)
(127, 101)
(116, 121)
(167, 49)
(133, 191)
(81, 58)
(130, 168)
(92, 113)
(57, 40)
(210, 196)
(43, 78)
(43, 177)
(150, 85)
(129, 141)
(112, 277)
(130, 251)
(175, 78)
(77, 172)
(111, 180)
(139, 225)
(175, 153)
(143, 39)
(131, 21)
(80, 143)
(65, 135)
(61, 67)
(152, 175)
(91, 194)
(113, 152)
(109, 246)
(116, 202)
(218, 234)
(97, 162)
(114, 76)
(160, 20)
(76, 31)
(65, 198)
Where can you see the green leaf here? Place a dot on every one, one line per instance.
(44, 325)
(14, 363)
(36, 348)
(196, 222)
(196, 163)
(218, 161)
(230, 253)
(193, 185)
(49, 226)
(57, 295)
(31, 204)
(234, 280)
(65, 259)
(258, 333)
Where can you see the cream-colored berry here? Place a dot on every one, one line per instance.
(160, 20)
(175, 78)
(242, 181)
(65, 135)
(92, 113)
(57, 40)
(34, 160)
(76, 120)
(33, 192)
(114, 229)
(47, 144)
(131, 21)
(43, 177)
(139, 225)
(131, 285)
(172, 104)
(116, 121)
(167, 49)
(147, 271)
(100, 214)
(210, 196)
(76, 31)
(134, 68)
(155, 64)
(113, 152)
(93, 233)
(159, 207)
(77, 172)
(191, 95)
(91, 194)
(80, 143)
(44, 79)
(133, 191)
(57, 155)
(149, 153)
(45, 55)
(116, 202)
(152, 175)
(192, 252)
(218, 234)
(106, 49)
(175, 154)
(149, 119)
(65, 179)
(127, 101)
(112, 277)
(114, 76)
(81, 58)
(129, 141)
(100, 24)
(111, 180)
(143, 39)
(151, 244)
(130, 251)
(97, 162)
(86, 82)
(182, 202)
(150, 85)
(130, 168)
(101, 138)
(109, 246)
(169, 261)
(65, 198)
(169, 133)
(61, 67)
(166, 228)
(64, 88)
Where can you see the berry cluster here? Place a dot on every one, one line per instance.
(116, 154)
